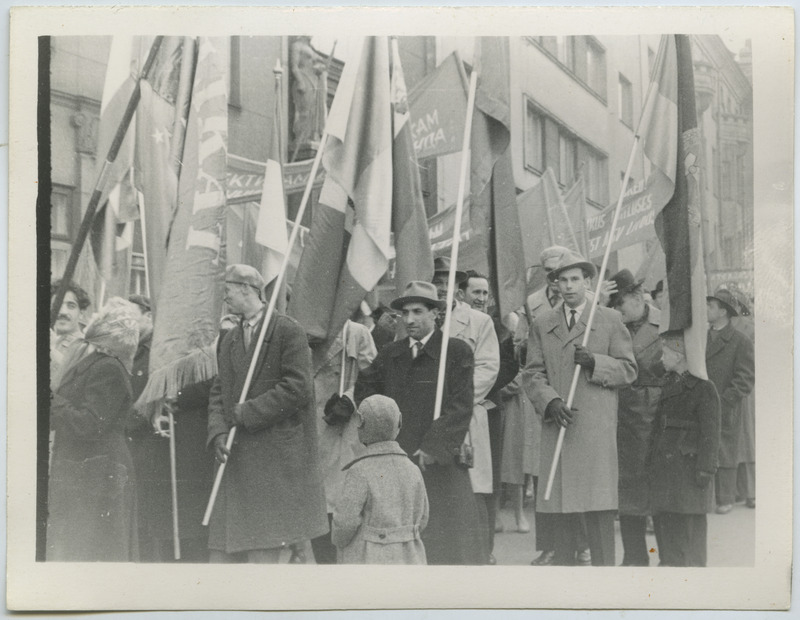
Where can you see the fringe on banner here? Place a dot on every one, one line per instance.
(198, 365)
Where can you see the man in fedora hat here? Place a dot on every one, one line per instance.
(271, 496)
(407, 371)
(477, 330)
(637, 409)
(731, 367)
(586, 480)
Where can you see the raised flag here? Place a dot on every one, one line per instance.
(348, 248)
(190, 301)
(438, 109)
(414, 260)
(672, 143)
(493, 210)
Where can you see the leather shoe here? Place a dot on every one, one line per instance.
(584, 558)
(724, 509)
(751, 502)
(545, 558)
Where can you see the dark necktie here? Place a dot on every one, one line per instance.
(248, 333)
(571, 323)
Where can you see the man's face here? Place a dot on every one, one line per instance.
(549, 265)
(440, 282)
(235, 297)
(715, 311)
(69, 315)
(477, 294)
(631, 307)
(572, 286)
(419, 319)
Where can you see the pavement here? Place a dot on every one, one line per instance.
(731, 539)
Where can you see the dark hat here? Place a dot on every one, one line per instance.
(141, 301)
(571, 260)
(625, 284)
(658, 289)
(674, 340)
(245, 274)
(423, 292)
(442, 265)
(726, 299)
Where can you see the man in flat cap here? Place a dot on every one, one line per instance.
(407, 371)
(637, 410)
(587, 476)
(730, 364)
(271, 495)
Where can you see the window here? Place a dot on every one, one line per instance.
(60, 212)
(582, 56)
(533, 138)
(234, 79)
(595, 168)
(567, 156)
(625, 104)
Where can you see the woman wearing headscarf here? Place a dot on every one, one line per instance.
(92, 496)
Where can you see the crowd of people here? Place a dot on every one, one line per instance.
(345, 451)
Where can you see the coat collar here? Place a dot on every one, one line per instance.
(431, 349)
(717, 344)
(554, 321)
(379, 448)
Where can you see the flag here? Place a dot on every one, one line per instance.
(155, 167)
(672, 143)
(439, 110)
(349, 243)
(190, 300)
(414, 260)
(271, 228)
(493, 211)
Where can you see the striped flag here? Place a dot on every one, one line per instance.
(190, 301)
(673, 146)
(493, 212)
(409, 224)
(348, 248)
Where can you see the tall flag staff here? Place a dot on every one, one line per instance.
(91, 208)
(268, 316)
(451, 278)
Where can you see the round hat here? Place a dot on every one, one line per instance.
(571, 260)
(441, 265)
(245, 274)
(726, 299)
(380, 419)
(423, 292)
(625, 284)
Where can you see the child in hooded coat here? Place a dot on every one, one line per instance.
(383, 507)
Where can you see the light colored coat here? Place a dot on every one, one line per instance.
(477, 330)
(338, 445)
(383, 509)
(587, 476)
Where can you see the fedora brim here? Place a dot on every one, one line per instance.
(731, 310)
(398, 303)
(612, 300)
(585, 265)
(461, 276)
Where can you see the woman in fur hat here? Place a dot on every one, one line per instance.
(92, 496)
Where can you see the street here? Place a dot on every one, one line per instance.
(731, 539)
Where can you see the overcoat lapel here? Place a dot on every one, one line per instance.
(715, 346)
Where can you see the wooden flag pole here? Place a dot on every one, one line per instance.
(268, 317)
(593, 306)
(344, 359)
(173, 471)
(451, 278)
(91, 208)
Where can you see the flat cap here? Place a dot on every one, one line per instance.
(245, 274)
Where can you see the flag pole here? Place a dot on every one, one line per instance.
(268, 317)
(173, 471)
(344, 359)
(91, 208)
(451, 277)
(646, 110)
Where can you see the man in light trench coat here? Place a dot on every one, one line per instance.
(587, 476)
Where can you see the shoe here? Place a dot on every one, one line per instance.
(492, 560)
(751, 502)
(498, 525)
(545, 558)
(584, 558)
(724, 509)
(298, 556)
(523, 527)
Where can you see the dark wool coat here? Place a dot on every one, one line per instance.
(747, 438)
(637, 410)
(685, 440)
(271, 493)
(731, 367)
(587, 477)
(383, 509)
(454, 534)
(92, 491)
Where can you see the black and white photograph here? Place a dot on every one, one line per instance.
(504, 294)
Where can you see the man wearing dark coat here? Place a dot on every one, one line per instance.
(682, 459)
(271, 495)
(637, 409)
(731, 367)
(406, 370)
